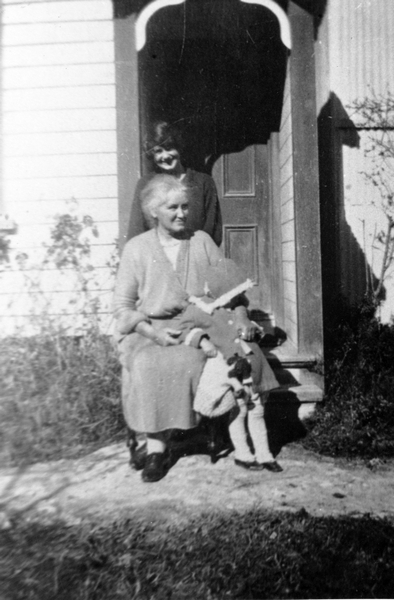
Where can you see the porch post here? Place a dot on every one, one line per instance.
(127, 109)
(306, 183)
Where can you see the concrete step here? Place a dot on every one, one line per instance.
(301, 386)
(297, 376)
(301, 397)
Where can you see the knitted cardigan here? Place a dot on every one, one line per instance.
(147, 287)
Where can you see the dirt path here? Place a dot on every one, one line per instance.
(102, 486)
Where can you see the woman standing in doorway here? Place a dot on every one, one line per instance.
(165, 149)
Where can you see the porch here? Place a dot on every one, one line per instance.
(240, 78)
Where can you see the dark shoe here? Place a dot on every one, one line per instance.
(272, 466)
(138, 458)
(156, 467)
(137, 453)
(251, 465)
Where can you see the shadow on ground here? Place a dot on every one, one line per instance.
(258, 554)
(211, 436)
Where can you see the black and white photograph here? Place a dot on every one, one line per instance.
(196, 299)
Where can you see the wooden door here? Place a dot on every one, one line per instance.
(242, 182)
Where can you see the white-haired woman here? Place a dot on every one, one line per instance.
(159, 270)
(165, 148)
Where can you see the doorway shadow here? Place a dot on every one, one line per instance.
(217, 70)
(283, 423)
(211, 437)
(345, 270)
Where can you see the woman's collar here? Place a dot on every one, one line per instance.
(167, 241)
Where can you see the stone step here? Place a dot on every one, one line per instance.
(302, 397)
(301, 385)
(297, 374)
(287, 356)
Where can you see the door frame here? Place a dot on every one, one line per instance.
(127, 119)
(305, 157)
(306, 182)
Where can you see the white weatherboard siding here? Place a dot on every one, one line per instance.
(58, 151)
(364, 214)
(287, 217)
(359, 62)
(361, 47)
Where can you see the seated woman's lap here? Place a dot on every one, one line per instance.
(159, 384)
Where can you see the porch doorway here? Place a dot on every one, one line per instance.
(217, 69)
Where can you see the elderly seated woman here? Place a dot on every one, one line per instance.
(159, 270)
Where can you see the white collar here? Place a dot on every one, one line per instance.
(167, 242)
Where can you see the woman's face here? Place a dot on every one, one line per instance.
(172, 214)
(166, 160)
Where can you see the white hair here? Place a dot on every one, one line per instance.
(156, 192)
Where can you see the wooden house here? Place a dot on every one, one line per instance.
(262, 89)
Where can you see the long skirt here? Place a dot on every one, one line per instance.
(159, 383)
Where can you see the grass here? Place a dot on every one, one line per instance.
(214, 557)
(60, 396)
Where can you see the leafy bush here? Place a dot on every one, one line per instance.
(375, 113)
(60, 391)
(59, 397)
(356, 417)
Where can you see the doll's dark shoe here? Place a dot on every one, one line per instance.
(138, 458)
(272, 466)
(156, 467)
(252, 465)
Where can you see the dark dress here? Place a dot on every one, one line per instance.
(204, 208)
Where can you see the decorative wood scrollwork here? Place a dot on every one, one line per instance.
(153, 7)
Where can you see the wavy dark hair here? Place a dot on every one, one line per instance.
(164, 134)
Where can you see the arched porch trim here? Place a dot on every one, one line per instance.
(153, 7)
(145, 15)
(284, 23)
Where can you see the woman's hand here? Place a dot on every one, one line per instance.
(208, 348)
(167, 337)
(162, 337)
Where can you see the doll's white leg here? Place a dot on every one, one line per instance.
(237, 430)
(258, 432)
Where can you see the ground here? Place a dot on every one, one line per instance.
(102, 486)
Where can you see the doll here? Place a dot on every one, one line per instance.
(236, 377)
